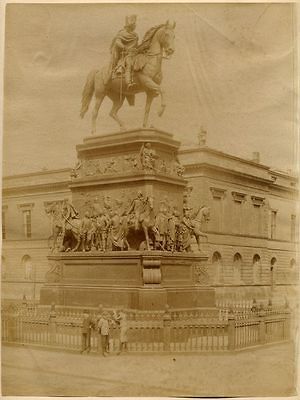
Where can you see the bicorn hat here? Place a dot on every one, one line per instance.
(130, 19)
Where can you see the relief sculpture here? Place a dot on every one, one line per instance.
(124, 224)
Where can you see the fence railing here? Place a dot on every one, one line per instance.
(184, 331)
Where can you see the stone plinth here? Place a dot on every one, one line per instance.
(137, 280)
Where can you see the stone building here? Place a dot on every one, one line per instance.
(252, 232)
(254, 224)
(26, 229)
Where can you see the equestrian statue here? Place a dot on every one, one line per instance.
(133, 68)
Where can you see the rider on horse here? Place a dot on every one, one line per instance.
(69, 211)
(123, 50)
(136, 209)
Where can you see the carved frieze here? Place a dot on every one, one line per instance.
(146, 160)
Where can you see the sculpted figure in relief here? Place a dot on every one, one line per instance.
(103, 224)
(148, 157)
(178, 168)
(191, 224)
(136, 209)
(86, 232)
(74, 172)
(173, 242)
(161, 226)
(54, 210)
(118, 231)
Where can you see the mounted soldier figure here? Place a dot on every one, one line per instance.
(123, 50)
(143, 62)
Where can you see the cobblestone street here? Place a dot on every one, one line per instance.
(36, 372)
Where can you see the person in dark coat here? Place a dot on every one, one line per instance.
(86, 329)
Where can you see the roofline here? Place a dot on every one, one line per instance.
(207, 149)
(218, 152)
(36, 173)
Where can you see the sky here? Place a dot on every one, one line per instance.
(233, 72)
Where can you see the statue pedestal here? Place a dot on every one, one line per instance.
(137, 280)
(111, 171)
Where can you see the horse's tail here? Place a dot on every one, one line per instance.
(88, 92)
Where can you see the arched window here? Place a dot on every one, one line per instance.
(256, 264)
(273, 270)
(27, 267)
(237, 268)
(273, 263)
(217, 267)
(3, 267)
(292, 263)
(216, 257)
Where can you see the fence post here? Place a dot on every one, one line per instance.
(12, 324)
(231, 330)
(262, 324)
(167, 328)
(52, 324)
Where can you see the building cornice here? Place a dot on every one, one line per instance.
(206, 165)
(212, 167)
(37, 173)
(35, 188)
(205, 149)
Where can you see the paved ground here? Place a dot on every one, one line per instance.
(35, 372)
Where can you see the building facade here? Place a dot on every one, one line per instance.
(26, 230)
(252, 231)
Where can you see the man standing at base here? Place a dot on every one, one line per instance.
(103, 329)
(86, 332)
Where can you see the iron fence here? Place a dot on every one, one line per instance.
(196, 330)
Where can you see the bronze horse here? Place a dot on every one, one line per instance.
(202, 215)
(158, 41)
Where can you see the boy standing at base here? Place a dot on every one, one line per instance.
(122, 320)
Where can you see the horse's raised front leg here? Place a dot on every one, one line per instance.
(163, 104)
(117, 104)
(147, 108)
(156, 89)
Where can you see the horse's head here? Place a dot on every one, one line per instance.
(167, 38)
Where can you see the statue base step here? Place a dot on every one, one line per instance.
(138, 280)
(150, 298)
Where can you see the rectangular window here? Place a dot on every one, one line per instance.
(273, 224)
(27, 223)
(3, 226)
(293, 228)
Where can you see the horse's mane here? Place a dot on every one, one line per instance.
(145, 44)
